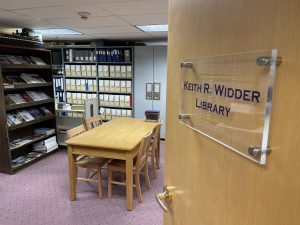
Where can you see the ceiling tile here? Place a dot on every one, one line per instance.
(136, 7)
(68, 37)
(9, 17)
(110, 1)
(33, 24)
(159, 34)
(159, 18)
(108, 30)
(106, 21)
(28, 4)
(70, 11)
(120, 36)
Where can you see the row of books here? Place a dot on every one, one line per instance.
(115, 86)
(39, 132)
(81, 84)
(60, 96)
(101, 55)
(25, 158)
(113, 55)
(109, 114)
(25, 97)
(26, 115)
(38, 149)
(115, 100)
(80, 55)
(58, 83)
(22, 79)
(57, 70)
(81, 70)
(78, 98)
(121, 71)
(72, 114)
(18, 59)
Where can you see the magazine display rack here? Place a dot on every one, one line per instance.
(27, 114)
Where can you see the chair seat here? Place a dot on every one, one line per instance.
(120, 163)
(91, 162)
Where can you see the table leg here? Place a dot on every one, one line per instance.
(129, 181)
(72, 173)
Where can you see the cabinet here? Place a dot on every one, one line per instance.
(27, 98)
(150, 67)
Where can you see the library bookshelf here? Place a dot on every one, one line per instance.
(17, 139)
(92, 72)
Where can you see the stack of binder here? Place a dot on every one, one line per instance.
(152, 115)
(46, 146)
(113, 55)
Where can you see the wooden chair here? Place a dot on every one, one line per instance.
(92, 122)
(88, 162)
(140, 162)
(154, 149)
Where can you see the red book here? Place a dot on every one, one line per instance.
(26, 97)
(130, 100)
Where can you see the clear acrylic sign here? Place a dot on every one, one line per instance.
(228, 99)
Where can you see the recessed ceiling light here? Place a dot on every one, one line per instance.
(56, 31)
(153, 28)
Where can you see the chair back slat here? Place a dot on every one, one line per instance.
(75, 131)
(156, 136)
(143, 152)
(92, 122)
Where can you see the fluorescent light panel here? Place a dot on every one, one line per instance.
(153, 28)
(56, 31)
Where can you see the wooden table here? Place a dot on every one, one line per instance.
(116, 139)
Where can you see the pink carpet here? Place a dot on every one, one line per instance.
(39, 195)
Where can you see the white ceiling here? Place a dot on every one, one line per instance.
(110, 19)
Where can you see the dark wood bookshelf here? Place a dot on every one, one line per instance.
(17, 48)
(29, 123)
(25, 129)
(15, 87)
(24, 165)
(25, 105)
(25, 66)
(40, 138)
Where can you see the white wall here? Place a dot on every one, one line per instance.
(150, 65)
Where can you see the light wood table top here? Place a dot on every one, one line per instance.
(119, 133)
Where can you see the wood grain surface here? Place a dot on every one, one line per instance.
(211, 184)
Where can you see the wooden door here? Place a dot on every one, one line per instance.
(212, 185)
